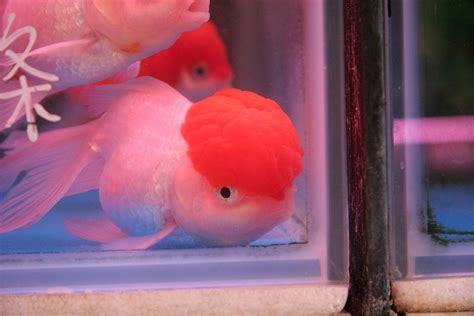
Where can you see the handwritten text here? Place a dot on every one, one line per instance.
(24, 92)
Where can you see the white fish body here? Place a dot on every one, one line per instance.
(150, 143)
(81, 42)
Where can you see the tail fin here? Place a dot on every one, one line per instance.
(36, 176)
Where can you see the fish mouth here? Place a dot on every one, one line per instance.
(199, 6)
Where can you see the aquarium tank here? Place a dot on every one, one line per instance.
(176, 144)
(431, 99)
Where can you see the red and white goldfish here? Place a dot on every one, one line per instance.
(197, 65)
(66, 43)
(221, 169)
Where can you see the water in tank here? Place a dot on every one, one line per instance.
(178, 135)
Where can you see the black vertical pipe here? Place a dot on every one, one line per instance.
(366, 110)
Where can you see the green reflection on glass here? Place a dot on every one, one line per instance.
(447, 46)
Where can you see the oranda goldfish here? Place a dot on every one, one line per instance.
(221, 169)
(56, 44)
(196, 65)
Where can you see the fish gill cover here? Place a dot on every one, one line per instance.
(243, 140)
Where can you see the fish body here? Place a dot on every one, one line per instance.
(159, 163)
(197, 64)
(85, 41)
(136, 179)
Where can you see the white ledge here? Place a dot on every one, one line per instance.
(435, 295)
(271, 300)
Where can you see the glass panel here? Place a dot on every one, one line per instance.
(433, 136)
(284, 50)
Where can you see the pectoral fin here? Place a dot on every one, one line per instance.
(103, 230)
(142, 242)
(100, 229)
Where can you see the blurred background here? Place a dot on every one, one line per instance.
(446, 48)
(447, 57)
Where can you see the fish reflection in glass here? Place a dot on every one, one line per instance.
(197, 65)
(221, 169)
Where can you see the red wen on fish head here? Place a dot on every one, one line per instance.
(243, 140)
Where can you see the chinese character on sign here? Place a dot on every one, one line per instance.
(25, 92)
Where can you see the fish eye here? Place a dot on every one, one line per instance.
(227, 194)
(199, 71)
